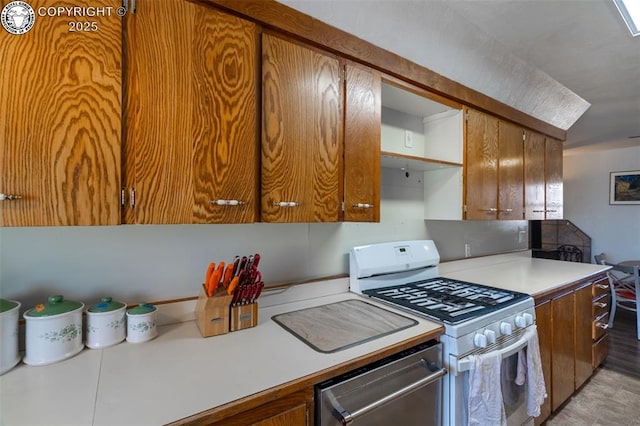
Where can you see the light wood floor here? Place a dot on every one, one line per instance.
(612, 395)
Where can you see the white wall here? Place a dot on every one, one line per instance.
(151, 263)
(614, 229)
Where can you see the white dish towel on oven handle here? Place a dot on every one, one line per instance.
(485, 406)
(530, 373)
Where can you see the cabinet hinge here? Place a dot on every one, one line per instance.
(465, 208)
(343, 206)
(127, 8)
(123, 197)
(132, 198)
(466, 117)
(524, 136)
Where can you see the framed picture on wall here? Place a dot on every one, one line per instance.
(624, 187)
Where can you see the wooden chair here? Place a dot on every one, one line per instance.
(625, 287)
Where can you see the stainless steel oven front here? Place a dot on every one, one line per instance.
(405, 389)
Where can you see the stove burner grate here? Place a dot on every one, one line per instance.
(448, 300)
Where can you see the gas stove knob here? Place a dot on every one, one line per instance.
(506, 328)
(480, 340)
(520, 321)
(528, 318)
(491, 336)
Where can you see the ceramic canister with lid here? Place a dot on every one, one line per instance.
(9, 357)
(141, 323)
(54, 331)
(106, 323)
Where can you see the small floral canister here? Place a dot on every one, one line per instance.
(106, 324)
(54, 331)
(141, 323)
(9, 357)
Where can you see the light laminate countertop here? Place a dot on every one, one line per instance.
(180, 374)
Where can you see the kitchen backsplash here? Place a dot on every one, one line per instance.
(135, 263)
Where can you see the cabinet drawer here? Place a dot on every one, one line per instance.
(600, 350)
(601, 306)
(600, 287)
(599, 327)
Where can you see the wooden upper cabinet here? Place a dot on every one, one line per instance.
(301, 133)
(362, 144)
(534, 176)
(481, 166)
(510, 172)
(553, 179)
(192, 115)
(542, 177)
(60, 124)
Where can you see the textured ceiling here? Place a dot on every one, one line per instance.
(553, 59)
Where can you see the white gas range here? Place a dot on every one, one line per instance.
(476, 318)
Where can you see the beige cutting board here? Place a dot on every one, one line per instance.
(337, 326)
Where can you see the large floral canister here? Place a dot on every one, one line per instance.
(106, 324)
(54, 331)
(141, 323)
(9, 357)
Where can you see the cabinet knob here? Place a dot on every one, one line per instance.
(602, 325)
(505, 210)
(9, 197)
(491, 210)
(600, 304)
(286, 204)
(362, 205)
(602, 286)
(227, 202)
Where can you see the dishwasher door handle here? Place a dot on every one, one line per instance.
(345, 417)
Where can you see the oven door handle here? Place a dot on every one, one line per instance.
(465, 363)
(345, 417)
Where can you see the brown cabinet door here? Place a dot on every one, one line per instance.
(192, 114)
(301, 133)
(553, 176)
(510, 172)
(362, 144)
(543, 322)
(295, 409)
(584, 320)
(60, 124)
(564, 348)
(534, 176)
(481, 166)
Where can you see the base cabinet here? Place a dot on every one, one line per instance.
(573, 339)
(295, 409)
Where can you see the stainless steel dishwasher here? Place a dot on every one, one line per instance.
(403, 389)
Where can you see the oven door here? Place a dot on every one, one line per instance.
(513, 395)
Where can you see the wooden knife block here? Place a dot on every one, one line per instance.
(244, 316)
(212, 313)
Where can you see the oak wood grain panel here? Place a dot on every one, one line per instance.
(160, 110)
(563, 352)
(363, 105)
(553, 176)
(276, 15)
(290, 410)
(584, 320)
(301, 133)
(60, 122)
(481, 166)
(543, 322)
(600, 351)
(534, 181)
(225, 127)
(510, 172)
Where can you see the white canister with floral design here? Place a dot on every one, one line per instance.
(54, 331)
(9, 357)
(141, 323)
(106, 324)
